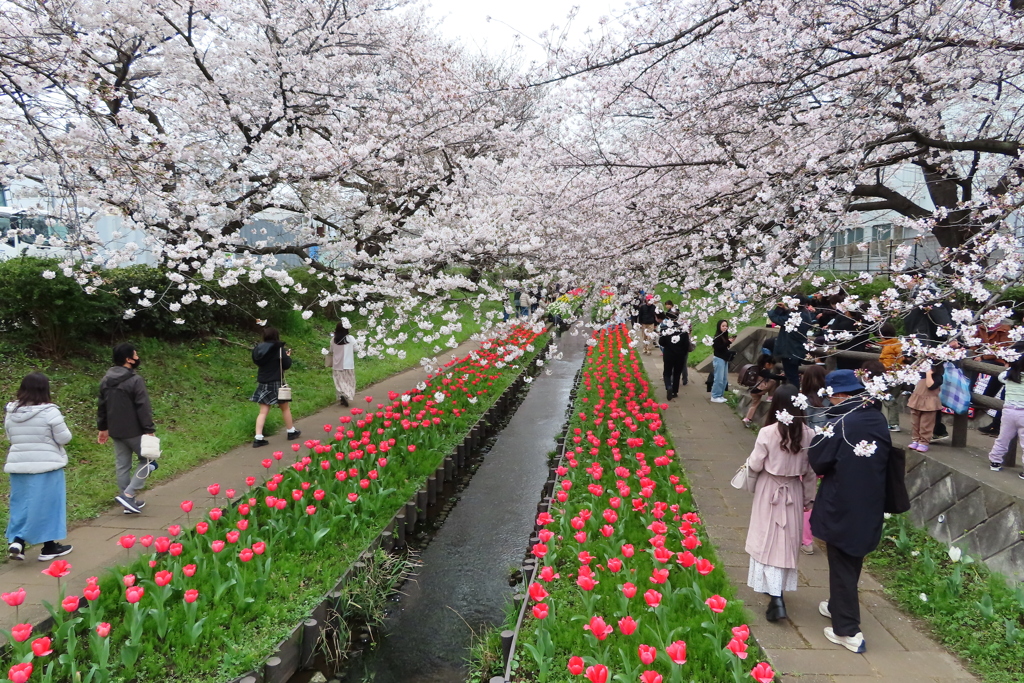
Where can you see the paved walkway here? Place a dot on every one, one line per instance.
(95, 541)
(713, 443)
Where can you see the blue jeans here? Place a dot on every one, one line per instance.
(721, 377)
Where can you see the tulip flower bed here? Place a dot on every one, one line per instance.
(627, 587)
(211, 601)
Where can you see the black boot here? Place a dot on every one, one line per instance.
(776, 609)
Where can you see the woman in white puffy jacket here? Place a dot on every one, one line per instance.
(36, 461)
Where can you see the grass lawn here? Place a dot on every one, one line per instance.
(199, 390)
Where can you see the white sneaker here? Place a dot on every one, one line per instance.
(719, 400)
(851, 643)
(823, 609)
(807, 549)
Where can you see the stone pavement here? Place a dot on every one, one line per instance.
(96, 541)
(712, 444)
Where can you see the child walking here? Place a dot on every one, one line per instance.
(925, 405)
(1012, 423)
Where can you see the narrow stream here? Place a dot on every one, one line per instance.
(462, 586)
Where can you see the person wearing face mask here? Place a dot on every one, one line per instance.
(124, 414)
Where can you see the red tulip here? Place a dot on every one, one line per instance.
(174, 529)
(741, 632)
(647, 654)
(229, 494)
(268, 463)
(628, 589)
(103, 629)
(128, 580)
(353, 497)
(217, 546)
(738, 648)
(202, 528)
(586, 582)
(597, 626)
(280, 454)
(716, 603)
(233, 536)
(627, 550)
(296, 447)
(537, 592)
(188, 569)
(91, 592)
(539, 550)
(652, 597)
(281, 504)
(540, 610)
(186, 506)
(311, 509)
(242, 524)
(686, 558)
(213, 489)
(216, 513)
(162, 544)
(651, 677)
(21, 632)
(134, 593)
(296, 495)
(627, 625)
(41, 647)
(576, 665)
(20, 673)
(597, 673)
(249, 481)
(659, 576)
(677, 652)
(704, 567)
(14, 599)
(191, 595)
(146, 541)
(162, 578)
(259, 547)
(763, 673)
(126, 541)
(245, 554)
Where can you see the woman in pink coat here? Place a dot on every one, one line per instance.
(786, 486)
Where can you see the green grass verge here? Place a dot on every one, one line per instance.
(970, 609)
(199, 390)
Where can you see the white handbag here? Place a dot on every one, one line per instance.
(150, 448)
(284, 392)
(744, 479)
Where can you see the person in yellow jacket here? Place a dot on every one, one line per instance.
(891, 356)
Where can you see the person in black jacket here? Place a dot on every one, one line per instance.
(124, 414)
(273, 359)
(789, 346)
(848, 510)
(720, 362)
(675, 344)
(647, 317)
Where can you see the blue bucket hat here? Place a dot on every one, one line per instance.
(843, 382)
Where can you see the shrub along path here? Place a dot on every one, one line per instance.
(95, 541)
(713, 443)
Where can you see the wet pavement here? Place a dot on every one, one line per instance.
(462, 587)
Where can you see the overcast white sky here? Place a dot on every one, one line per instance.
(522, 20)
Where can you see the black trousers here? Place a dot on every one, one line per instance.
(675, 367)
(843, 605)
(791, 368)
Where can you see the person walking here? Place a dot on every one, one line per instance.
(36, 461)
(647, 317)
(720, 362)
(848, 510)
(891, 357)
(925, 405)
(785, 488)
(1012, 422)
(341, 360)
(124, 414)
(273, 359)
(675, 344)
(789, 346)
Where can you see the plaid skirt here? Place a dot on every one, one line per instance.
(266, 394)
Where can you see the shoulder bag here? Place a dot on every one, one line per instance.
(745, 479)
(284, 392)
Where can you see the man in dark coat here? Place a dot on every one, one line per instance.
(789, 346)
(675, 343)
(124, 414)
(847, 511)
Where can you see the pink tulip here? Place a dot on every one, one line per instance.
(651, 677)
(103, 629)
(576, 665)
(216, 513)
(145, 541)
(126, 541)
(213, 489)
(677, 652)
(128, 580)
(162, 544)
(540, 610)
(627, 625)
(598, 627)
(174, 529)
(647, 654)
(20, 673)
(162, 578)
(14, 599)
(738, 648)
(202, 528)
(217, 546)
(537, 592)
(628, 589)
(188, 569)
(704, 567)
(191, 595)
(91, 592)
(716, 603)
(233, 536)
(741, 632)
(245, 554)
(652, 597)
(229, 494)
(134, 593)
(21, 632)
(249, 481)
(763, 673)
(186, 506)
(597, 673)
(259, 547)
(176, 549)
(41, 647)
